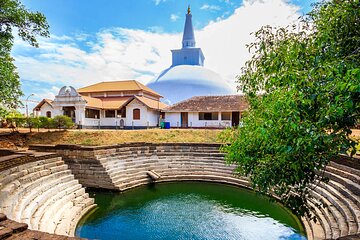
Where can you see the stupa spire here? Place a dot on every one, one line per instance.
(188, 36)
(188, 54)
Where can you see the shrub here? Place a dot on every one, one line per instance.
(45, 122)
(62, 122)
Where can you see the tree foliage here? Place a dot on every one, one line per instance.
(15, 17)
(62, 122)
(15, 120)
(308, 77)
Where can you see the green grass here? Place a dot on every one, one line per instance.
(109, 137)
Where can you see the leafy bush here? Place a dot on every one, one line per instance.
(45, 122)
(62, 122)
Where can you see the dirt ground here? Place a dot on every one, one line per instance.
(24, 138)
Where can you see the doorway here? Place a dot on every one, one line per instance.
(235, 118)
(70, 112)
(184, 119)
(122, 123)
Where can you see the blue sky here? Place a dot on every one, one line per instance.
(94, 40)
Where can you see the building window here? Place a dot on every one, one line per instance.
(109, 113)
(162, 115)
(92, 113)
(208, 116)
(122, 112)
(48, 114)
(225, 116)
(136, 114)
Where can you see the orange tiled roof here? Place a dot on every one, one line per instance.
(107, 103)
(151, 103)
(230, 103)
(45, 100)
(127, 85)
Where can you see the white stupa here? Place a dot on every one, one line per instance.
(187, 76)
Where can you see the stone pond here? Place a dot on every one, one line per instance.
(188, 210)
(48, 189)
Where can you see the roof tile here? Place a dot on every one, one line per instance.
(127, 85)
(210, 103)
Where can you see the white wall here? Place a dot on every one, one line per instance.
(45, 108)
(153, 117)
(193, 120)
(173, 118)
(144, 114)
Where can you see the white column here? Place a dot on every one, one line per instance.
(80, 114)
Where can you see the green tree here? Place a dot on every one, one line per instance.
(15, 17)
(308, 77)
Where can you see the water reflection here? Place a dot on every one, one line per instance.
(188, 210)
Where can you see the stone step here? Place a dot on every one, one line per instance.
(353, 177)
(52, 216)
(321, 227)
(348, 184)
(344, 191)
(308, 228)
(189, 177)
(77, 218)
(165, 168)
(15, 191)
(344, 205)
(39, 191)
(63, 227)
(79, 204)
(41, 210)
(41, 200)
(122, 179)
(133, 172)
(19, 174)
(344, 168)
(110, 166)
(337, 220)
(27, 166)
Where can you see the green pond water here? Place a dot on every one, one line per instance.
(188, 210)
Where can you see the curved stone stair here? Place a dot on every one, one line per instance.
(128, 166)
(341, 195)
(44, 195)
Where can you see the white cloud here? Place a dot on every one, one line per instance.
(120, 53)
(174, 17)
(157, 2)
(210, 7)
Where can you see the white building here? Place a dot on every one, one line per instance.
(187, 73)
(123, 104)
(130, 104)
(207, 112)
